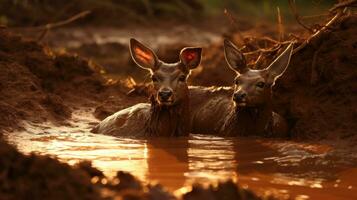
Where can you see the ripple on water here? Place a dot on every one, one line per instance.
(301, 170)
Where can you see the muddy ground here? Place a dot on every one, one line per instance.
(316, 95)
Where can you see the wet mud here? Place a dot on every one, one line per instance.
(40, 85)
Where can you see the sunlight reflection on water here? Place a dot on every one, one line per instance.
(285, 167)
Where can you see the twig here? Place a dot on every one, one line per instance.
(45, 28)
(62, 23)
(313, 75)
(280, 25)
(293, 9)
(260, 50)
(314, 16)
(234, 22)
(256, 63)
(326, 26)
(295, 36)
(344, 4)
(50, 26)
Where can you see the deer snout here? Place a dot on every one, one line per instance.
(165, 94)
(239, 97)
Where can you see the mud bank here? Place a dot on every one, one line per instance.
(40, 177)
(318, 92)
(39, 85)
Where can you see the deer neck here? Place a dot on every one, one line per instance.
(250, 120)
(168, 120)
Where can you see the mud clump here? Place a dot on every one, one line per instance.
(41, 177)
(226, 190)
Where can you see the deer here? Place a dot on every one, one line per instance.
(168, 112)
(245, 108)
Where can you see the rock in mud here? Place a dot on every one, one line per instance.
(226, 190)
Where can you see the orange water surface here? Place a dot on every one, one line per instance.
(324, 170)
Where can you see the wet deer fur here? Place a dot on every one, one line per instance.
(168, 112)
(246, 108)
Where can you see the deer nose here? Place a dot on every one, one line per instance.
(165, 94)
(239, 96)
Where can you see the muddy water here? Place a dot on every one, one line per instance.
(299, 170)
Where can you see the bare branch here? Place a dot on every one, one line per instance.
(344, 4)
(325, 27)
(44, 29)
(234, 22)
(62, 23)
(280, 25)
(293, 9)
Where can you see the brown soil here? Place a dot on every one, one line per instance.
(39, 177)
(39, 85)
(319, 101)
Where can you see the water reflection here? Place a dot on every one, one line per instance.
(168, 161)
(211, 158)
(316, 171)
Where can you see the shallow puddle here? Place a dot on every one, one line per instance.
(299, 170)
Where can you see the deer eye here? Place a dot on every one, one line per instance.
(154, 78)
(260, 84)
(182, 78)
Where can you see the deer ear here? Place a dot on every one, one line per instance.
(143, 56)
(191, 57)
(234, 57)
(279, 65)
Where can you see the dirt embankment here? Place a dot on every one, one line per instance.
(39, 85)
(39, 177)
(318, 92)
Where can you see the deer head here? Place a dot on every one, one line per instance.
(253, 88)
(169, 80)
